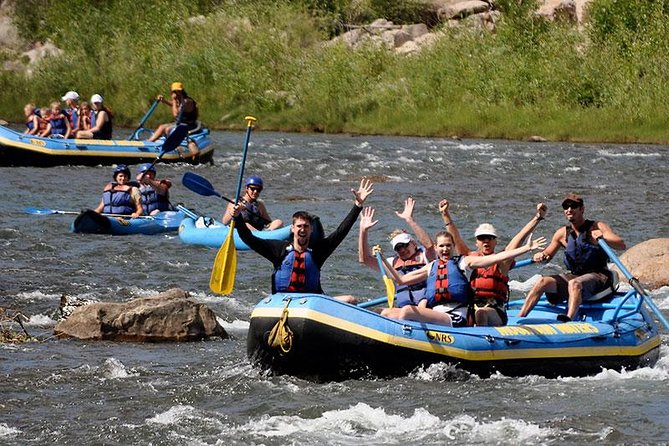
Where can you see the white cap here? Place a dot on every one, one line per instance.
(73, 95)
(485, 229)
(96, 98)
(400, 238)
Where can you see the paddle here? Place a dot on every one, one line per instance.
(633, 281)
(47, 211)
(225, 266)
(171, 142)
(202, 186)
(383, 299)
(390, 285)
(135, 134)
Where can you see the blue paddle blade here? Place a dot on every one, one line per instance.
(198, 184)
(37, 211)
(175, 138)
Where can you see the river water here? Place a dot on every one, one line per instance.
(206, 393)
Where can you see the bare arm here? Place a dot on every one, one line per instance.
(460, 245)
(519, 238)
(227, 215)
(100, 207)
(68, 130)
(99, 121)
(137, 199)
(553, 247)
(603, 230)
(364, 253)
(422, 235)
(415, 276)
(485, 261)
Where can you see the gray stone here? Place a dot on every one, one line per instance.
(462, 9)
(169, 316)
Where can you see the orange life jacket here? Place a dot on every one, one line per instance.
(490, 283)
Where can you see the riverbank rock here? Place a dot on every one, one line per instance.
(169, 316)
(649, 262)
(572, 11)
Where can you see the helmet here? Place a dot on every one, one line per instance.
(121, 168)
(254, 181)
(146, 167)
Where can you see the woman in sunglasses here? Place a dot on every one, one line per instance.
(409, 255)
(585, 259)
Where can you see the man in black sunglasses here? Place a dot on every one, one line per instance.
(585, 259)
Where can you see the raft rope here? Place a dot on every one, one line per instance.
(281, 336)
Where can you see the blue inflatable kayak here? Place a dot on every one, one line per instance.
(208, 232)
(322, 338)
(90, 222)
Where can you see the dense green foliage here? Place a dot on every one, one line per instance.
(606, 82)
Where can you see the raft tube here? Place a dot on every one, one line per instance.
(90, 222)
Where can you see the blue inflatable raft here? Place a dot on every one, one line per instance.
(90, 222)
(18, 149)
(318, 337)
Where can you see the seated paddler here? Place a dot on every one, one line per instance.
(297, 267)
(253, 209)
(155, 193)
(120, 196)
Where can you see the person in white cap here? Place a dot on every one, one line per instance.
(491, 283)
(71, 99)
(103, 121)
(409, 256)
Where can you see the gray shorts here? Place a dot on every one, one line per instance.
(592, 284)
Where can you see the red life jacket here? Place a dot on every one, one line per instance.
(298, 276)
(441, 283)
(490, 283)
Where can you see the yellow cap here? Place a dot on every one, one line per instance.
(176, 86)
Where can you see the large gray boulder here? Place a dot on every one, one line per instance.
(169, 316)
(649, 262)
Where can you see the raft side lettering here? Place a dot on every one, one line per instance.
(547, 329)
(38, 142)
(445, 338)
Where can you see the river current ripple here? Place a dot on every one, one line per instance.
(206, 393)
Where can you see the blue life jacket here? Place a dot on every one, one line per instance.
(152, 200)
(282, 275)
(73, 115)
(411, 294)
(117, 199)
(58, 125)
(458, 288)
(581, 256)
(251, 215)
(30, 124)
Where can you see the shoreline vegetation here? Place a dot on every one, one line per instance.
(605, 80)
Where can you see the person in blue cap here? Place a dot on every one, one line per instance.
(253, 209)
(121, 196)
(155, 193)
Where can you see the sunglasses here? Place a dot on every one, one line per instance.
(401, 246)
(485, 238)
(254, 189)
(571, 205)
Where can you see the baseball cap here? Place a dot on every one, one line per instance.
(400, 239)
(96, 98)
(73, 95)
(574, 198)
(485, 229)
(176, 86)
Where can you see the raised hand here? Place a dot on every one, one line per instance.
(365, 190)
(367, 220)
(407, 213)
(541, 210)
(443, 206)
(376, 249)
(539, 243)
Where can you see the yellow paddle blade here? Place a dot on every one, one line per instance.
(390, 291)
(225, 266)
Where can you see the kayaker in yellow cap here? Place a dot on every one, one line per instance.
(184, 110)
